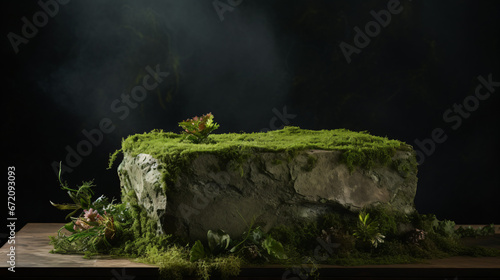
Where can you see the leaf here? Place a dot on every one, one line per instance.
(256, 236)
(71, 214)
(83, 203)
(274, 248)
(197, 252)
(225, 240)
(69, 226)
(65, 206)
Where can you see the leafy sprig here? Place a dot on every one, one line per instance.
(197, 129)
(368, 230)
(82, 196)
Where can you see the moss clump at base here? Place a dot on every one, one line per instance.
(359, 149)
(412, 238)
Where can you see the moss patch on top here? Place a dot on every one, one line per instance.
(359, 149)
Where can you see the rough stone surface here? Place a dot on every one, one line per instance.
(143, 175)
(214, 193)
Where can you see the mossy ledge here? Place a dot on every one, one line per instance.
(279, 176)
(359, 149)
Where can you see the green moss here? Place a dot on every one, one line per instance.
(302, 237)
(359, 149)
(405, 167)
(112, 158)
(311, 163)
(396, 249)
(388, 219)
(277, 162)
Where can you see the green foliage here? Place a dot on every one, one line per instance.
(386, 219)
(429, 223)
(218, 241)
(405, 167)
(368, 230)
(425, 222)
(173, 261)
(197, 129)
(90, 233)
(445, 228)
(197, 251)
(112, 158)
(258, 245)
(300, 238)
(480, 231)
(82, 196)
(218, 268)
(255, 244)
(274, 248)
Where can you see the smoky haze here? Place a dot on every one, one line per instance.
(234, 66)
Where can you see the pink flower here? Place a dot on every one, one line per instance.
(80, 225)
(91, 215)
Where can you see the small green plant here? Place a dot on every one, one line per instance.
(197, 129)
(445, 228)
(92, 230)
(90, 234)
(218, 243)
(368, 230)
(258, 245)
(255, 244)
(82, 196)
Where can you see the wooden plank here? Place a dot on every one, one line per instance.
(32, 250)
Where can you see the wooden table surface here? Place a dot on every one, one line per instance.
(32, 251)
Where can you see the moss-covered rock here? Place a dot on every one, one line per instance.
(278, 177)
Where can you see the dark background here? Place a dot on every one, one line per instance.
(263, 55)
